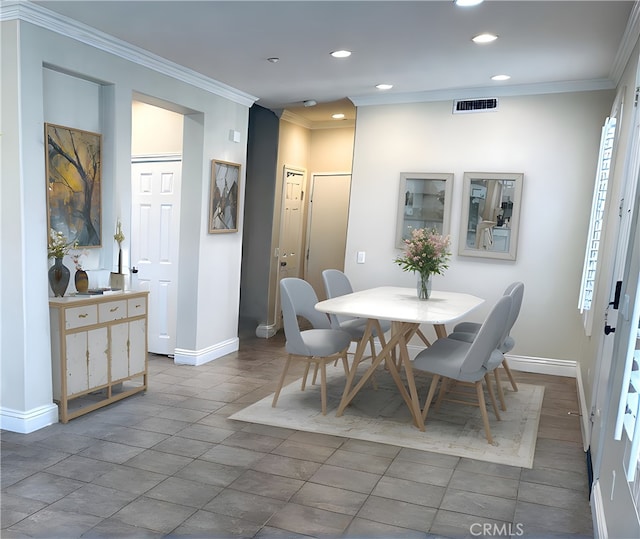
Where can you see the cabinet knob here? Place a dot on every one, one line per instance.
(84, 315)
(113, 309)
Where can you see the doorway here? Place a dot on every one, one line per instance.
(155, 233)
(156, 180)
(327, 229)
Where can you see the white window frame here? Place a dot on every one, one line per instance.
(590, 267)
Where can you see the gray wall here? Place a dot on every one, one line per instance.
(262, 154)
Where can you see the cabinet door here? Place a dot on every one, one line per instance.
(77, 376)
(98, 347)
(119, 347)
(137, 346)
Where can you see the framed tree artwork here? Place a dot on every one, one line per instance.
(223, 198)
(74, 167)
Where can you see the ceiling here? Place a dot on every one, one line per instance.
(423, 48)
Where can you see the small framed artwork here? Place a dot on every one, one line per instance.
(491, 203)
(74, 167)
(424, 201)
(223, 198)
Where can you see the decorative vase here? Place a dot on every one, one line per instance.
(59, 278)
(424, 285)
(82, 281)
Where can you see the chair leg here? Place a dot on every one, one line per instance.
(345, 363)
(432, 392)
(306, 373)
(505, 365)
(503, 404)
(282, 377)
(323, 386)
(492, 396)
(483, 411)
(443, 391)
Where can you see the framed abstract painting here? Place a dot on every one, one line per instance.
(223, 198)
(74, 168)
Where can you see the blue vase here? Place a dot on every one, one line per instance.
(59, 275)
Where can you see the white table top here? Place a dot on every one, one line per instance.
(402, 305)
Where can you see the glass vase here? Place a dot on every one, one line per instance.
(59, 277)
(424, 285)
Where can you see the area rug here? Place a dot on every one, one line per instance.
(379, 414)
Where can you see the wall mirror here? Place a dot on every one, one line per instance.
(490, 214)
(424, 202)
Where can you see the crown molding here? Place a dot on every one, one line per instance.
(32, 13)
(294, 118)
(628, 43)
(487, 91)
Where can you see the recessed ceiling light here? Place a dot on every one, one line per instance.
(341, 54)
(384, 86)
(501, 77)
(467, 3)
(484, 38)
(338, 116)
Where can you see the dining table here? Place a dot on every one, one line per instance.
(406, 312)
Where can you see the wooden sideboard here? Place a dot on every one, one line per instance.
(98, 350)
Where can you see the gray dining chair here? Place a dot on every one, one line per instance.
(466, 331)
(336, 284)
(319, 345)
(466, 363)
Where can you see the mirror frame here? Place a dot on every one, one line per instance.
(514, 221)
(402, 220)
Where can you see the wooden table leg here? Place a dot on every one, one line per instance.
(385, 354)
(354, 367)
(411, 382)
(441, 330)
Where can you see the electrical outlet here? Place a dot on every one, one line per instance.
(360, 258)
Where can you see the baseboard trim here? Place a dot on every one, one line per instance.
(25, 422)
(584, 410)
(541, 365)
(182, 356)
(597, 511)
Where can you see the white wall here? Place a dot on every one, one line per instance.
(207, 313)
(552, 139)
(155, 131)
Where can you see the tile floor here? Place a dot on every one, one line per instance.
(168, 463)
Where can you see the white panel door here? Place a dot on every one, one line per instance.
(290, 228)
(155, 231)
(327, 236)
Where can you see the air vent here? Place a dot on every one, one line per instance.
(474, 105)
